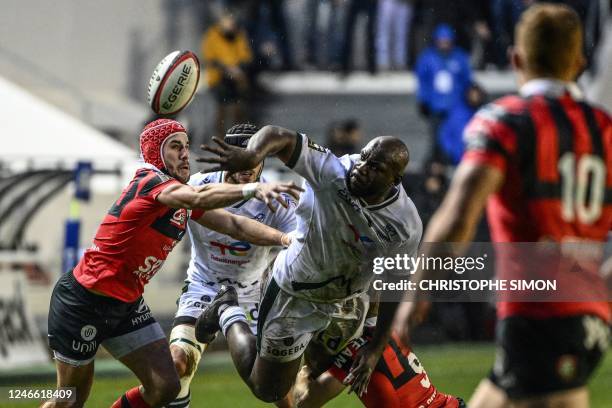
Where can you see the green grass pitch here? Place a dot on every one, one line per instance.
(454, 369)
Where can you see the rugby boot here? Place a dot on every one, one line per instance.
(207, 325)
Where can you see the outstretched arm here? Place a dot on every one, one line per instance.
(211, 196)
(268, 141)
(243, 228)
(273, 141)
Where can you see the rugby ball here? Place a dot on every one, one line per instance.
(173, 83)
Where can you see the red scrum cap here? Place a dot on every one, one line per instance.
(153, 137)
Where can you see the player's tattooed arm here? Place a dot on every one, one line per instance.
(268, 141)
(243, 228)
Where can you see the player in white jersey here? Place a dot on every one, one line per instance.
(353, 210)
(218, 259)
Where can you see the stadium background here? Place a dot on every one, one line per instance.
(73, 78)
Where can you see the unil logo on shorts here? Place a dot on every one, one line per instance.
(88, 332)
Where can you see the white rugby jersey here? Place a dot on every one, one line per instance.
(338, 235)
(220, 259)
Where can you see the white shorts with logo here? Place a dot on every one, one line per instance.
(287, 324)
(196, 296)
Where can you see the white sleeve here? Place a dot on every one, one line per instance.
(409, 247)
(284, 218)
(315, 163)
(199, 179)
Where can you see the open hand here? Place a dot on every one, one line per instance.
(269, 192)
(359, 375)
(228, 158)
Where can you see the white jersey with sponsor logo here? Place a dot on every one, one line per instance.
(338, 235)
(218, 259)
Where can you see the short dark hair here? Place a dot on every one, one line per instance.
(239, 135)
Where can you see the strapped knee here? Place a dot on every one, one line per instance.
(183, 336)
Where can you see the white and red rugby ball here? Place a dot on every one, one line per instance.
(174, 82)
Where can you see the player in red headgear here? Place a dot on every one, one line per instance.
(152, 140)
(100, 301)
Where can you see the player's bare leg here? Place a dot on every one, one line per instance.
(160, 382)
(270, 381)
(576, 398)
(314, 392)
(313, 385)
(488, 395)
(186, 358)
(80, 377)
(186, 353)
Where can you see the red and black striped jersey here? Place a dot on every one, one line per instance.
(398, 381)
(555, 152)
(134, 239)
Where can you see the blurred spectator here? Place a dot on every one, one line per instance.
(344, 137)
(227, 53)
(467, 18)
(323, 54)
(394, 20)
(444, 74)
(268, 16)
(369, 9)
(427, 189)
(450, 136)
(483, 52)
(506, 14)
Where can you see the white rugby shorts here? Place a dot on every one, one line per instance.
(196, 296)
(287, 323)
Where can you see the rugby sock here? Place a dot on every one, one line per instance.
(180, 402)
(131, 399)
(229, 316)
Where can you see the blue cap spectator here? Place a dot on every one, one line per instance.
(444, 74)
(444, 32)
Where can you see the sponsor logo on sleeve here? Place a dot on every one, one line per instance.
(314, 146)
(179, 217)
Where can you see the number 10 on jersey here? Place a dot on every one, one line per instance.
(583, 187)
